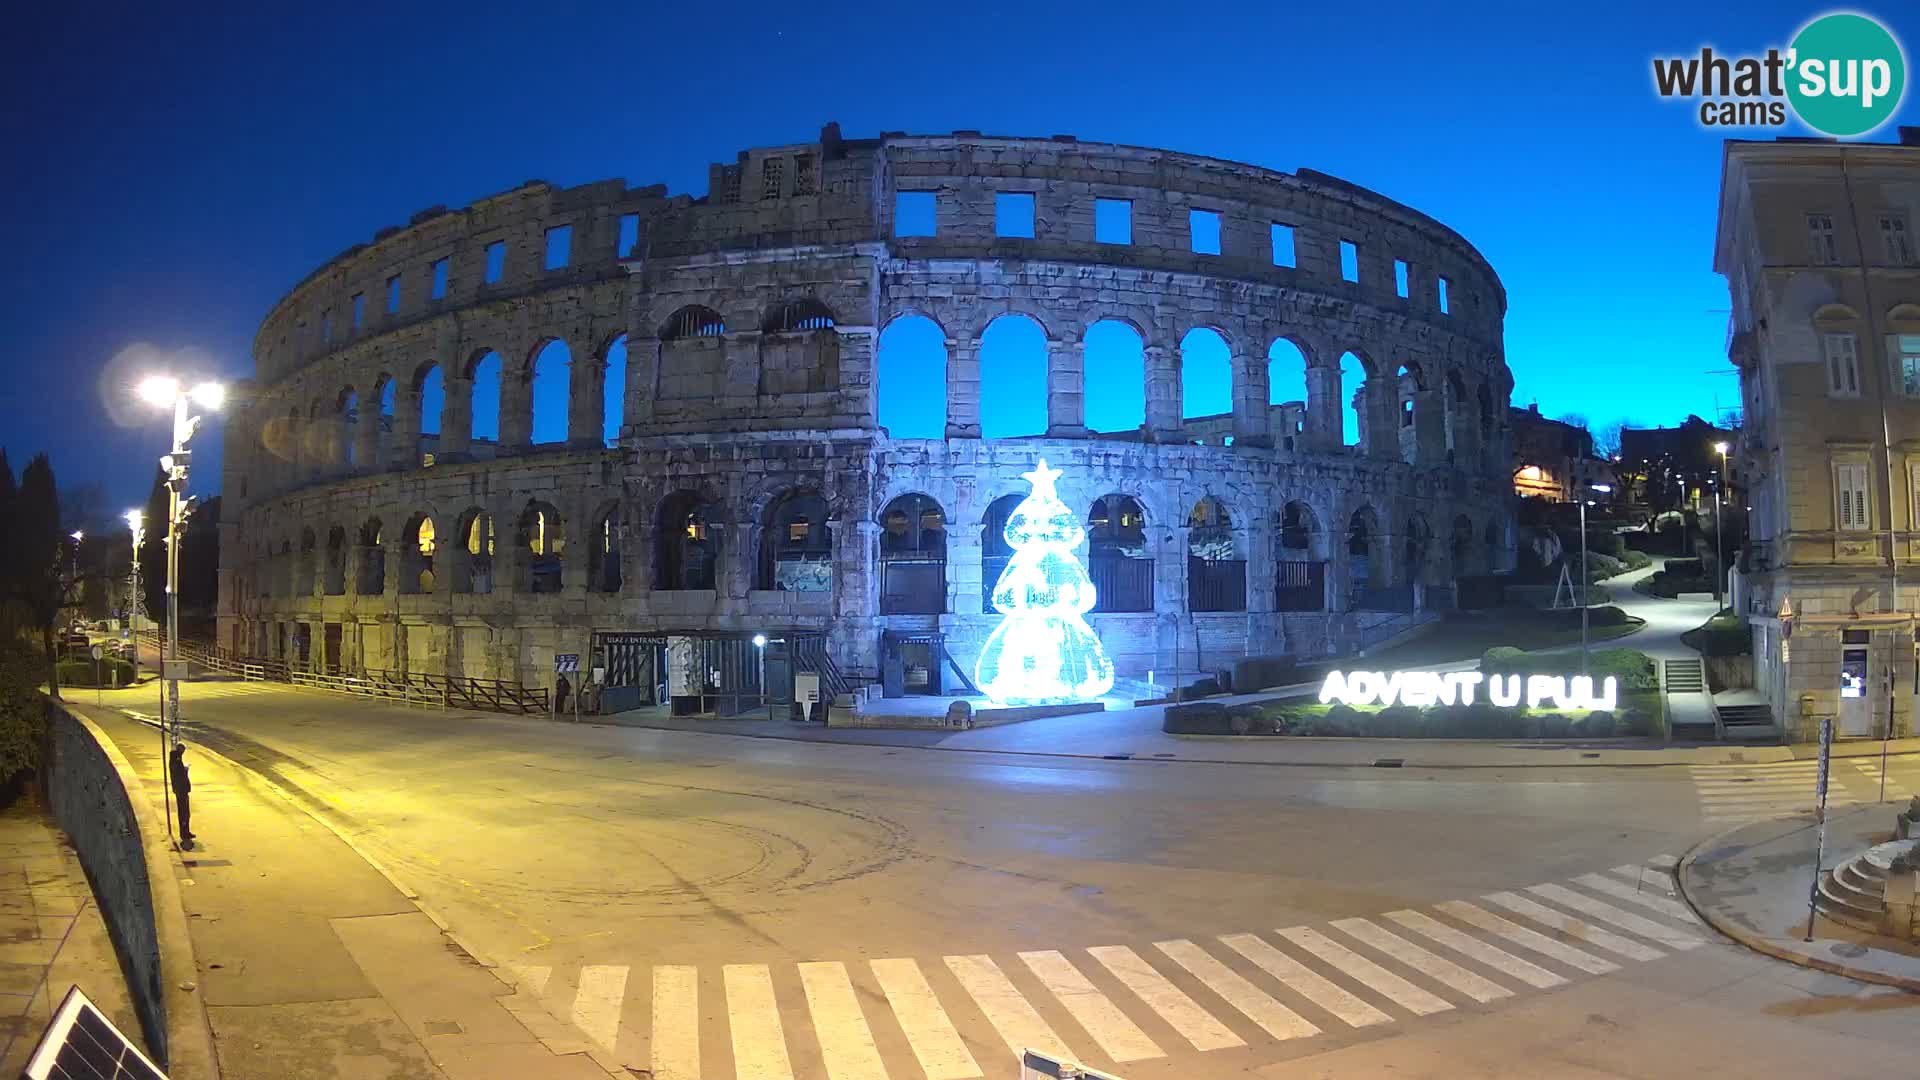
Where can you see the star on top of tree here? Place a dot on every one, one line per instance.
(1041, 478)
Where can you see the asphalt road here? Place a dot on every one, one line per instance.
(710, 906)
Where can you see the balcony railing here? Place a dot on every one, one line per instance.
(1120, 583)
(913, 586)
(1300, 586)
(991, 567)
(1216, 584)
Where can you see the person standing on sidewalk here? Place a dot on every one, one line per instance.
(182, 784)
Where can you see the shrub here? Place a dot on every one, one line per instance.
(1597, 724)
(1200, 718)
(1635, 559)
(23, 716)
(1251, 720)
(1601, 567)
(113, 672)
(1554, 726)
(1345, 720)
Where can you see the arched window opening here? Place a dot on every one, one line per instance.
(1486, 415)
(913, 557)
(1408, 378)
(541, 543)
(370, 575)
(416, 556)
(1114, 374)
(348, 452)
(1013, 378)
(1300, 575)
(550, 370)
(1491, 542)
(430, 396)
(1216, 576)
(1361, 530)
(1352, 391)
(485, 374)
(603, 553)
(798, 316)
(473, 561)
(995, 552)
(686, 554)
(796, 548)
(912, 376)
(1118, 558)
(1461, 546)
(693, 321)
(1287, 393)
(335, 583)
(1456, 402)
(613, 392)
(1419, 545)
(306, 569)
(1206, 374)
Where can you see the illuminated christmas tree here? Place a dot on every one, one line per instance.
(1043, 651)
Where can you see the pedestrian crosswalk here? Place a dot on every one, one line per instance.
(1111, 1006)
(1735, 793)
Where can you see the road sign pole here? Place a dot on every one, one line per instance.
(1820, 814)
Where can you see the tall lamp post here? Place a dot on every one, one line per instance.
(73, 578)
(135, 525)
(1719, 541)
(1604, 489)
(164, 391)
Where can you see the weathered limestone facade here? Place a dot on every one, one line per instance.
(1816, 242)
(752, 323)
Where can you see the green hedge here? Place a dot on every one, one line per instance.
(1640, 714)
(1633, 668)
(113, 673)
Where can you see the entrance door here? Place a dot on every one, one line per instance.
(1856, 701)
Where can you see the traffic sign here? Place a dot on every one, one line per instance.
(98, 652)
(566, 662)
(806, 688)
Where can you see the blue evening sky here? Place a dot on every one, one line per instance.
(171, 173)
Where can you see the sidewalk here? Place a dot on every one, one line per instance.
(1752, 884)
(313, 965)
(51, 936)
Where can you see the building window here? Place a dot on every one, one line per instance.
(496, 261)
(393, 294)
(1203, 230)
(804, 178)
(1897, 239)
(1907, 348)
(1013, 214)
(1113, 221)
(1349, 261)
(1820, 243)
(439, 279)
(629, 237)
(359, 309)
(1400, 278)
(559, 246)
(1446, 302)
(1843, 367)
(773, 177)
(1850, 492)
(730, 184)
(326, 326)
(913, 213)
(1282, 237)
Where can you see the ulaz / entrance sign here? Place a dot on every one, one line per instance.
(1424, 688)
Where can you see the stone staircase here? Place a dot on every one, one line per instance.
(1685, 677)
(1855, 892)
(1748, 723)
(1691, 718)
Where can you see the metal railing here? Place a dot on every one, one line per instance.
(913, 586)
(1216, 584)
(1299, 585)
(1120, 583)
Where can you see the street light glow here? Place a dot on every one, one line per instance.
(760, 640)
(1604, 489)
(210, 395)
(159, 389)
(134, 518)
(1721, 448)
(77, 535)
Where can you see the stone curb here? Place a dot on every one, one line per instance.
(189, 1034)
(1742, 936)
(413, 897)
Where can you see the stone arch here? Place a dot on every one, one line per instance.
(1455, 404)
(1114, 376)
(486, 384)
(1417, 548)
(548, 375)
(1216, 569)
(686, 551)
(1299, 558)
(472, 556)
(995, 551)
(1206, 373)
(613, 388)
(1354, 372)
(797, 316)
(540, 542)
(418, 547)
(306, 570)
(913, 555)
(911, 371)
(370, 572)
(344, 450)
(604, 533)
(1120, 558)
(1903, 319)
(1363, 544)
(692, 321)
(796, 544)
(1460, 546)
(1013, 360)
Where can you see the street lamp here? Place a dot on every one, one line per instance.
(760, 650)
(73, 577)
(136, 525)
(1719, 543)
(164, 391)
(1604, 489)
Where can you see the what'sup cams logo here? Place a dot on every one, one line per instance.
(1843, 75)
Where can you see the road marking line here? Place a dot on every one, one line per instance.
(1119, 1036)
(942, 1054)
(1672, 909)
(1527, 938)
(753, 1019)
(1195, 1024)
(1656, 881)
(676, 1023)
(846, 1043)
(1572, 927)
(1435, 967)
(1467, 945)
(1018, 1023)
(1306, 982)
(1274, 1018)
(532, 978)
(596, 1004)
(1625, 920)
(1664, 862)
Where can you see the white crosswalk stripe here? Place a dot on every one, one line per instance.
(1101, 1005)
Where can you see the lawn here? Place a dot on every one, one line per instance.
(1725, 634)
(1467, 635)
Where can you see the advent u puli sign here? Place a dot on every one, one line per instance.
(1424, 688)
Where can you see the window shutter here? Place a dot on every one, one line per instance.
(1913, 495)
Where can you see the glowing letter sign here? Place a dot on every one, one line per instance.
(1424, 688)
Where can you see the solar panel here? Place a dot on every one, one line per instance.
(82, 1044)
